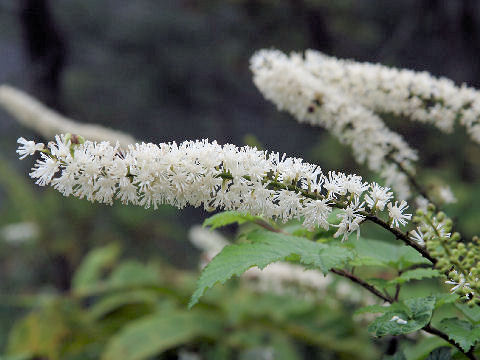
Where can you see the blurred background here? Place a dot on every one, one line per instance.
(179, 69)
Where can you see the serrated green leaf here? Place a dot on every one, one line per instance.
(462, 332)
(95, 263)
(415, 274)
(156, 333)
(379, 309)
(228, 218)
(266, 248)
(380, 253)
(417, 313)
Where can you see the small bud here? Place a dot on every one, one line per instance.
(456, 237)
(441, 216)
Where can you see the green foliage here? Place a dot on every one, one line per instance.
(137, 311)
(379, 309)
(462, 332)
(415, 274)
(155, 333)
(416, 312)
(229, 217)
(94, 266)
(371, 252)
(471, 312)
(265, 248)
(48, 331)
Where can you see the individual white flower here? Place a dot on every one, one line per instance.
(316, 213)
(44, 170)
(418, 236)
(350, 219)
(354, 185)
(378, 197)
(462, 283)
(27, 147)
(334, 184)
(395, 212)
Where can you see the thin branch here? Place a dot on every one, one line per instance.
(400, 235)
(363, 284)
(427, 328)
(397, 292)
(267, 226)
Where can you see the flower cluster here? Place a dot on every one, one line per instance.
(203, 173)
(416, 95)
(460, 261)
(291, 86)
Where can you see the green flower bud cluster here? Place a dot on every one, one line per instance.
(459, 260)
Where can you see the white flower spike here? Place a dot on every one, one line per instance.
(203, 173)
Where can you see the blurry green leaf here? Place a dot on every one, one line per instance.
(443, 353)
(416, 274)
(417, 313)
(267, 247)
(154, 334)
(133, 273)
(51, 331)
(96, 262)
(17, 357)
(471, 312)
(110, 303)
(380, 253)
(228, 218)
(128, 275)
(242, 306)
(40, 333)
(421, 349)
(24, 200)
(284, 348)
(462, 332)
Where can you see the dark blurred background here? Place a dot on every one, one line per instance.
(178, 69)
